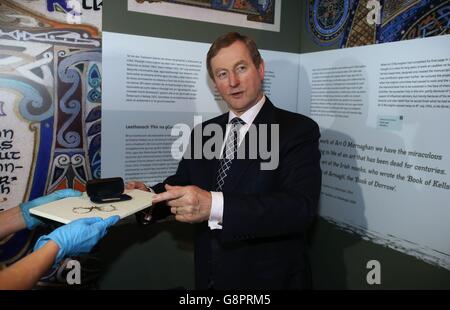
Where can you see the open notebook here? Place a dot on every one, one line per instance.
(72, 208)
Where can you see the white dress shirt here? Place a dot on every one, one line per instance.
(215, 218)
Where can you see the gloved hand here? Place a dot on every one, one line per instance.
(77, 237)
(32, 221)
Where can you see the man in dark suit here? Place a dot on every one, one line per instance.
(251, 213)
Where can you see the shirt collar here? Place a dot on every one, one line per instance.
(249, 116)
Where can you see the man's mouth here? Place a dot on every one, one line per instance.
(237, 94)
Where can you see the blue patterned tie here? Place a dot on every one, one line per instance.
(229, 152)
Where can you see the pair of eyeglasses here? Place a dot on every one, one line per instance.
(83, 210)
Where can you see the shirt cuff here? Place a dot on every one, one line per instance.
(215, 218)
(149, 188)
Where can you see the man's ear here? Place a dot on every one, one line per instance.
(261, 69)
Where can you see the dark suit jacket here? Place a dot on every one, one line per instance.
(266, 212)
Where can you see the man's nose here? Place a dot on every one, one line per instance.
(233, 80)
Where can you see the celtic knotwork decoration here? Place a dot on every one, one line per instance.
(61, 165)
(79, 163)
(66, 169)
(95, 158)
(360, 32)
(55, 37)
(36, 103)
(222, 4)
(20, 23)
(92, 121)
(256, 10)
(13, 18)
(423, 19)
(391, 8)
(327, 19)
(43, 64)
(94, 81)
(93, 126)
(435, 22)
(69, 102)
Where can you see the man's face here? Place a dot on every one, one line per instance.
(236, 77)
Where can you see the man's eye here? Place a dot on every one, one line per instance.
(221, 75)
(241, 68)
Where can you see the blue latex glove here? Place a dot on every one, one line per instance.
(32, 221)
(78, 236)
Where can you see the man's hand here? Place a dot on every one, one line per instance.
(136, 185)
(190, 204)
